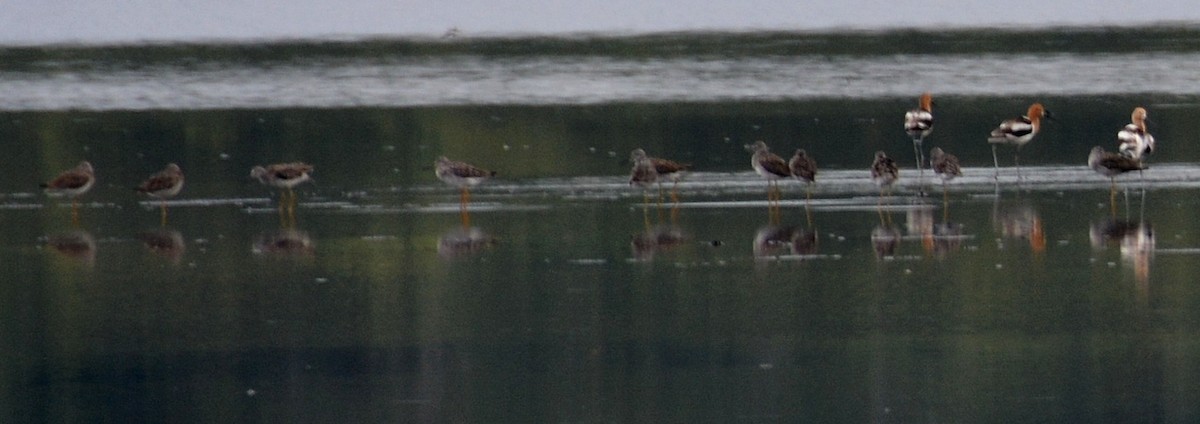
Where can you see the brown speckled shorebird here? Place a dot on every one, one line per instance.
(285, 176)
(1110, 165)
(769, 166)
(464, 176)
(163, 185)
(945, 165)
(670, 170)
(72, 183)
(884, 173)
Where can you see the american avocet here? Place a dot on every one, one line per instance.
(1110, 165)
(1135, 141)
(286, 176)
(945, 165)
(1017, 131)
(72, 183)
(770, 166)
(918, 123)
(162, 185)
(884, 173)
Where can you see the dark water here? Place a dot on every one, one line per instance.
(565, 298)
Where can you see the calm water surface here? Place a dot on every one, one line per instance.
(564, 297)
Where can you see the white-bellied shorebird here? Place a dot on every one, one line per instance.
(918, 123)
(464, 176)
(769, 166)
(285, 176)
(1134, 140)
(1017, 131)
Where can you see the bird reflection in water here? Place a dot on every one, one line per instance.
(464, 241)
(284, 242)
(1019, 220)
(937, 238)
(164, 242)
(885, 239)
(779, 240)
(947, 237)
(77, 244)
(1136, 240)
(659, 238)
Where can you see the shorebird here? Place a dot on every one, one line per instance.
(286, 176)
(804, 168)
(461, 175)
(72, 183)
(1110, 165)
(282, 175)
(769, 166)
(162, 185)
(1017, 131)
(670, 170)
(944, 165)
(663, 169)
(918, 123)
(1135, 141)
(884, 173)
(644, 174)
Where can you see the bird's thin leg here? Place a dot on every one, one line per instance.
(75, 212)
(879, 206)
(945, 203)
(1017, 161)
(1112, 197)
(646, 209)
(996, 163)
(920, 166)
(674, 194)
(659, 206)
(164, 213)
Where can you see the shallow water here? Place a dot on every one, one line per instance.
(564, 295)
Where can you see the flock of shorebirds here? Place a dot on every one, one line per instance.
(1134, 144)
(167, 183)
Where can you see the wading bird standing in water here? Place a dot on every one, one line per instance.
(163, 185)
(1017, 131)
(945, 165)
(918, 123)
(72, 183)
(1110, 165)
(286, 176)
(769, 166)
(663, 169)
(462, 175)
(804, 168)
(884, 173)
(645, 175)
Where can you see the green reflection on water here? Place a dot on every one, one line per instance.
(372, 319)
